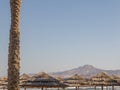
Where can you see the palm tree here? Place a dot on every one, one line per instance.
(14, 46)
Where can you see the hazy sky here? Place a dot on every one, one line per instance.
(58, 35)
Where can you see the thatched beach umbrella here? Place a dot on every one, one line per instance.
(117, 78)
(60, 79)
(43, 80)
(3, 82)
(75, 81)
(24, 77)
(102, 79)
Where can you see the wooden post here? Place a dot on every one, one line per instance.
(3, 88)
(102, 87)
(106, 87)
(95, 87)
(24, 88)
(112, 87)
(42, 88)
(76, 88)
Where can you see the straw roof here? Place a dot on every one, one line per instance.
(42, 76)
(3, 78)
(103, 79)
(24, 77)
(101, 75)
(75, 81)
(60, 79)
(114, 77)
(76, 77)
(42, 80)
(3, 81)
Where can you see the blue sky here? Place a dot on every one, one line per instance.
(58, 35)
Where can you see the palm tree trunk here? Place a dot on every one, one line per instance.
(14, 47)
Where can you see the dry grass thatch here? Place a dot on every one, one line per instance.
(75, 81)
(24, 77)
(114, 77)
(42, 76)
(103, 79)
(3, 82)
(43, 80)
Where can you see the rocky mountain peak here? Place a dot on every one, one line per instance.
(85, 71)
(88, 67)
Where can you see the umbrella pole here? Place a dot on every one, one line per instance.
(102, 87)
(76, 88)
(106, 87)
(42, 88)
(112, 87)
(24, 88)
(3, 88)
(95, 87)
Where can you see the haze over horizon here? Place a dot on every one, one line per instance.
(60, 35)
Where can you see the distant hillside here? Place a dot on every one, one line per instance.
(86, 71)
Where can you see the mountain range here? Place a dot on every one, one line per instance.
(85, 71)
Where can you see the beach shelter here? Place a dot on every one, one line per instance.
(24, 77)
(3, 82)
(117, 78)
(75, 81)
(43, 80)
(102, 79)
